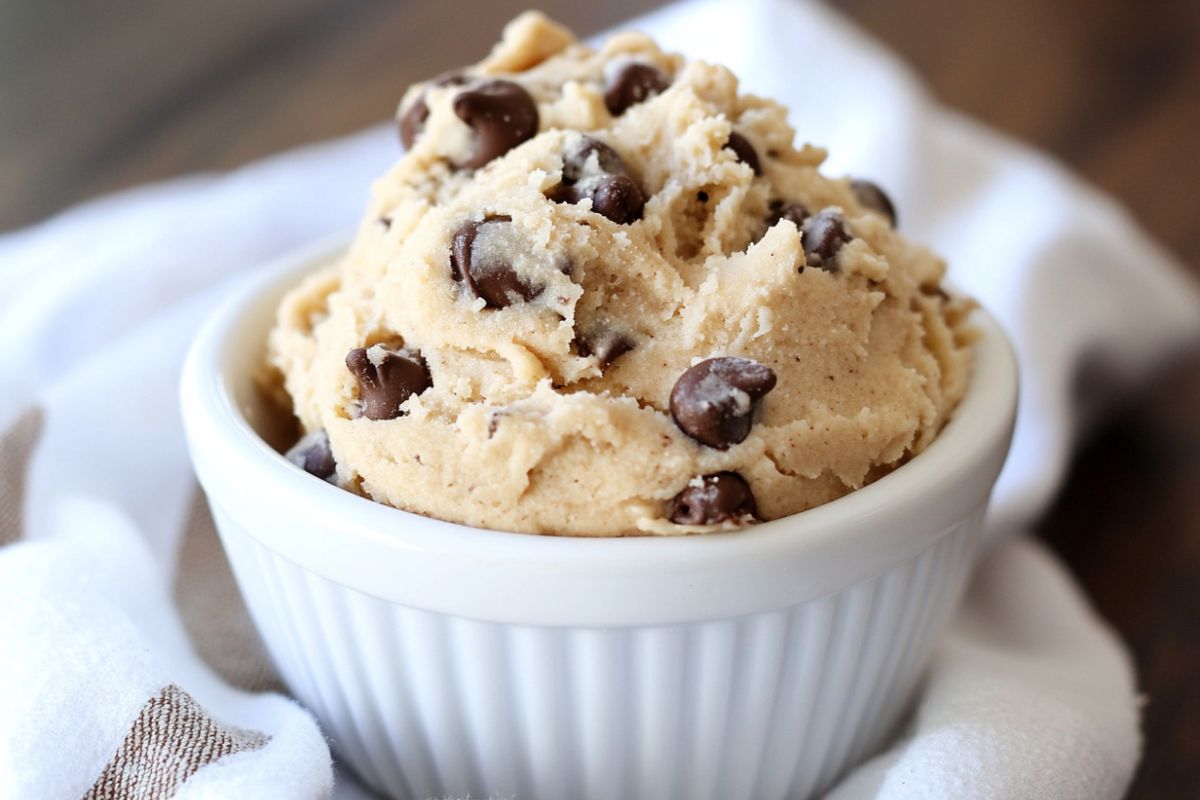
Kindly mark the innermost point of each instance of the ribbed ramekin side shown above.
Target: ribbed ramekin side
(770, 705)
(950, 567)
(913, 603)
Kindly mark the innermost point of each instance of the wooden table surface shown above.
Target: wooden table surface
(99, 96)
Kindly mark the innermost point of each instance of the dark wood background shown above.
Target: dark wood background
(99, 96)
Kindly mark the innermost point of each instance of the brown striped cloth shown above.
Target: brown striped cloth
(100, 695)
(129, 666)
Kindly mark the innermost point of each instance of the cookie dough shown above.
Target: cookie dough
(604, 294)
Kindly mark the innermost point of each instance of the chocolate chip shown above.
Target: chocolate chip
(795, 213)
(576, 164)
(713, 402)
(313, 455)
(563, 193)
(824, 234)
(933, 290)
(745, 151)
(594, 170)
(874, 198)
(502, 115)
(713, 499)
(412, 121)
(485, 274)
(605, 345)
(386, 378)
(634, 83)
(494, 422)
(619, 199)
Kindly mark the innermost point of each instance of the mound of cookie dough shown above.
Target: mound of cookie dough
(604, 294)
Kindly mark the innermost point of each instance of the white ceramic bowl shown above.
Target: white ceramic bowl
(444, 660)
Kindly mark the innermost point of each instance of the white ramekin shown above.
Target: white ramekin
(444, 660)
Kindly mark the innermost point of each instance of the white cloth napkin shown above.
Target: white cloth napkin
(125, 656)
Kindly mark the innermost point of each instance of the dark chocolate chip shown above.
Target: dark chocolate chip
(935, 291)
(824, 234)
(386, 378)
(605, 345)
(575, 160)
(745, 151)
(486, 275)
(502, 115)
(717, 498)
(874, 198)
(563, 193)
(412, 121)
(619, 199)
(634, 83)
(313, 455)
(713, 402)
(494, 422)
(613, 193)
(795, 213)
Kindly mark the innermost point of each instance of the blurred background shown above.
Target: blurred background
(96, 97)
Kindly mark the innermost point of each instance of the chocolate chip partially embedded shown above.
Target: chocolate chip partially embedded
(605, 344)
(412, 121)
(563, 193)
(386, 378)
(795, 213)
(313, 455)
(619, 199)
(494, 422)
(502, 115)
(486, 274)
(873, 197)
(634, 83)
(576, 161)
(824, 234)
(713, 402)
(745, 151)
(594, 170)
(713, 499)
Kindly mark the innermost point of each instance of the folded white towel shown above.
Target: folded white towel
(125, 655)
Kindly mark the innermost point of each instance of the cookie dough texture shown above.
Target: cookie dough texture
(524, 427)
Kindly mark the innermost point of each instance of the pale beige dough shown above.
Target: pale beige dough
(519, 431)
